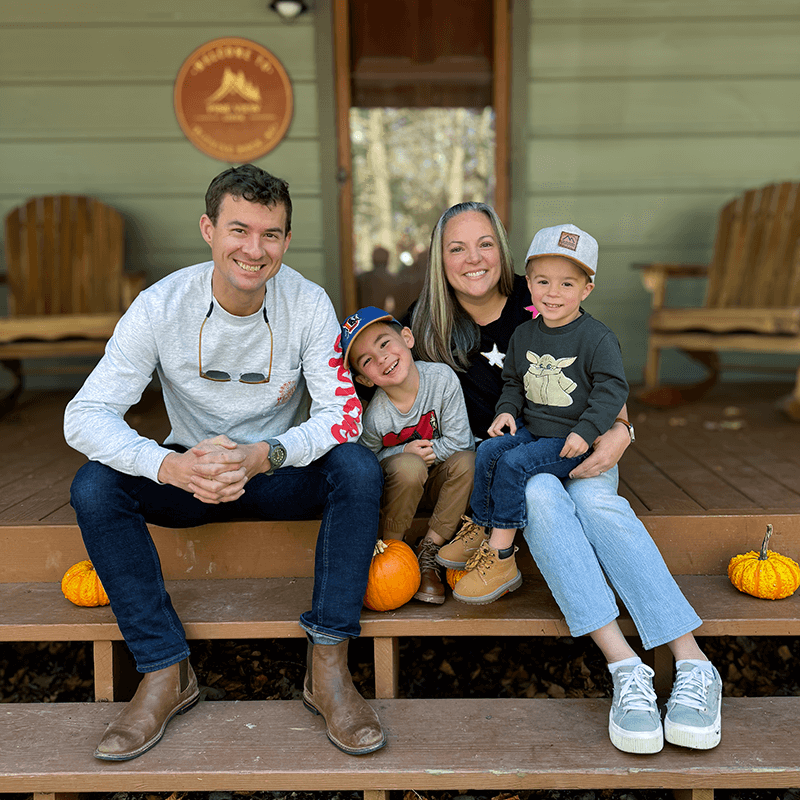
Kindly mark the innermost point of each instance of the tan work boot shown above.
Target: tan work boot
(489, 577)
(465, 544)
(431, 588)
(352, 724)
(160, 696)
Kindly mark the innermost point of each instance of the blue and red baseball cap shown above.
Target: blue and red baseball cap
(356, 323)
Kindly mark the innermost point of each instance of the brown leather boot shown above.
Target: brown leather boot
(431, 588)
(352, 724)
(160, 696)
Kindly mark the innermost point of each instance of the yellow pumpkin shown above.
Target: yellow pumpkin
(767, 574)
(454, 576)
(394, 576)
(82, 586)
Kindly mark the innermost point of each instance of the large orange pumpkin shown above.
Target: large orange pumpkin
(82, 586)
(767, 574)
(393, 576)
(454, 576)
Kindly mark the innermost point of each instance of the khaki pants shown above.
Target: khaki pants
(409, 485)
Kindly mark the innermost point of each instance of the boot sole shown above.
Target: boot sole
(451, 564)
(437, 599)
(181, 709)
(511, 586)
(351, 751)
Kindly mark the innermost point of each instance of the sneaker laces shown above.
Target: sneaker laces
(427, 556)
(636, 690)
(691, 688)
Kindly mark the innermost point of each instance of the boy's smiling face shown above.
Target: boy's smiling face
(558, 287)
(381, 355)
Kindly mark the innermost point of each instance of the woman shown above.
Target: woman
(579, 531)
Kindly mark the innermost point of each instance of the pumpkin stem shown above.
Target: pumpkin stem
(762, 556)
(380, 546)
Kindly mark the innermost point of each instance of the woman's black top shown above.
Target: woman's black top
(482, 383)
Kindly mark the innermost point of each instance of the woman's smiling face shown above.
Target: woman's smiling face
(471, 255)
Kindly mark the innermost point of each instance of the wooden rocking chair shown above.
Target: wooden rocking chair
(753, 294)
(66, 284)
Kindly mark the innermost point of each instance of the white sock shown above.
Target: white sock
(626, 662)
(706, 666)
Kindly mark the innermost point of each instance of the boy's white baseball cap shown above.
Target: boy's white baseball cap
(567, 241)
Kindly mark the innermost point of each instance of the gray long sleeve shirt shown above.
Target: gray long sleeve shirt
(562, 380)
(159, 333)
(438, 414)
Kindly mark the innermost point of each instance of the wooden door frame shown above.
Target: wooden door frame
(501, 93)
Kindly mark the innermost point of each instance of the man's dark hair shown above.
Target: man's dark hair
(252, 184)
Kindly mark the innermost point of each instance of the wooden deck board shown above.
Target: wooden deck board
(270, 608)
(495, 744)
(683, 463)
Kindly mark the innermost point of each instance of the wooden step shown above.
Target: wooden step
(436, 744)
(255, 608)
(691, 544)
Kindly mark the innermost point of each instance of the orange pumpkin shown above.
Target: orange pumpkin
(393, 576)
(454, 576)
(767, 574)
(82, 586)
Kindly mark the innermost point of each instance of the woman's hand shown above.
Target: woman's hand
(608, 449)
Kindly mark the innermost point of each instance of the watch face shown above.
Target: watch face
(277, 455)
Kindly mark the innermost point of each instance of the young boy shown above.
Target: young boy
(564, 380)
(416, 424)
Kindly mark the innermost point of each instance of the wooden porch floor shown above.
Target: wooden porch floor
(731, 456)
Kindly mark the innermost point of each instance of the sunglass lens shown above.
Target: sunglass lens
(217, 375)
(252, 377)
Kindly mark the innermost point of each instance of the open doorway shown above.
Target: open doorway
(408, 165)
(422, 107)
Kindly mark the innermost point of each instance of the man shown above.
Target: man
(239, 344)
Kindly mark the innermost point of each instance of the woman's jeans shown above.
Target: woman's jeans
(583, 536)
(344, 486)
(503, 465)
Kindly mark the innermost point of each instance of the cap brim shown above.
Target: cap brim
(575, 261)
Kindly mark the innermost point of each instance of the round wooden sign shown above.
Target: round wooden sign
(233, 99)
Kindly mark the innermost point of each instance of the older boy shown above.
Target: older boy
(416, 424)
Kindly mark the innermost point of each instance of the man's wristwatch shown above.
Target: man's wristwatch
(277, 455)
(628, 426)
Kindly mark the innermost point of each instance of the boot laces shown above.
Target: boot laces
(481, 559)
(469, 530)
(427, 556)
(636, 690)
(691, 688)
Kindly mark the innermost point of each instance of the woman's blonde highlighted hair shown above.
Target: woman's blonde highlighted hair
(443, 330)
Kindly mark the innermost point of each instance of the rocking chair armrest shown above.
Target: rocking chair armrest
(675, 270)
(654, 277)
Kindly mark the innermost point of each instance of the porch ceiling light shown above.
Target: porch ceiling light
(289, 9)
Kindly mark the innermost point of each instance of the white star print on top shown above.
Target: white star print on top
(495, 357)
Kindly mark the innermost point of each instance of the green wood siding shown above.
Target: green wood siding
(636, 120)
(86, 94)
(642, 120)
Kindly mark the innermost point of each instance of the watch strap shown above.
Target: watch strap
(628, 426)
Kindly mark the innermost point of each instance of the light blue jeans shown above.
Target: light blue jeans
(583, 536)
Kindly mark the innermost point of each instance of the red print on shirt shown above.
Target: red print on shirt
(426, 428)
(348, 427)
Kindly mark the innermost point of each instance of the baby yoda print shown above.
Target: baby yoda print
(545, 383)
